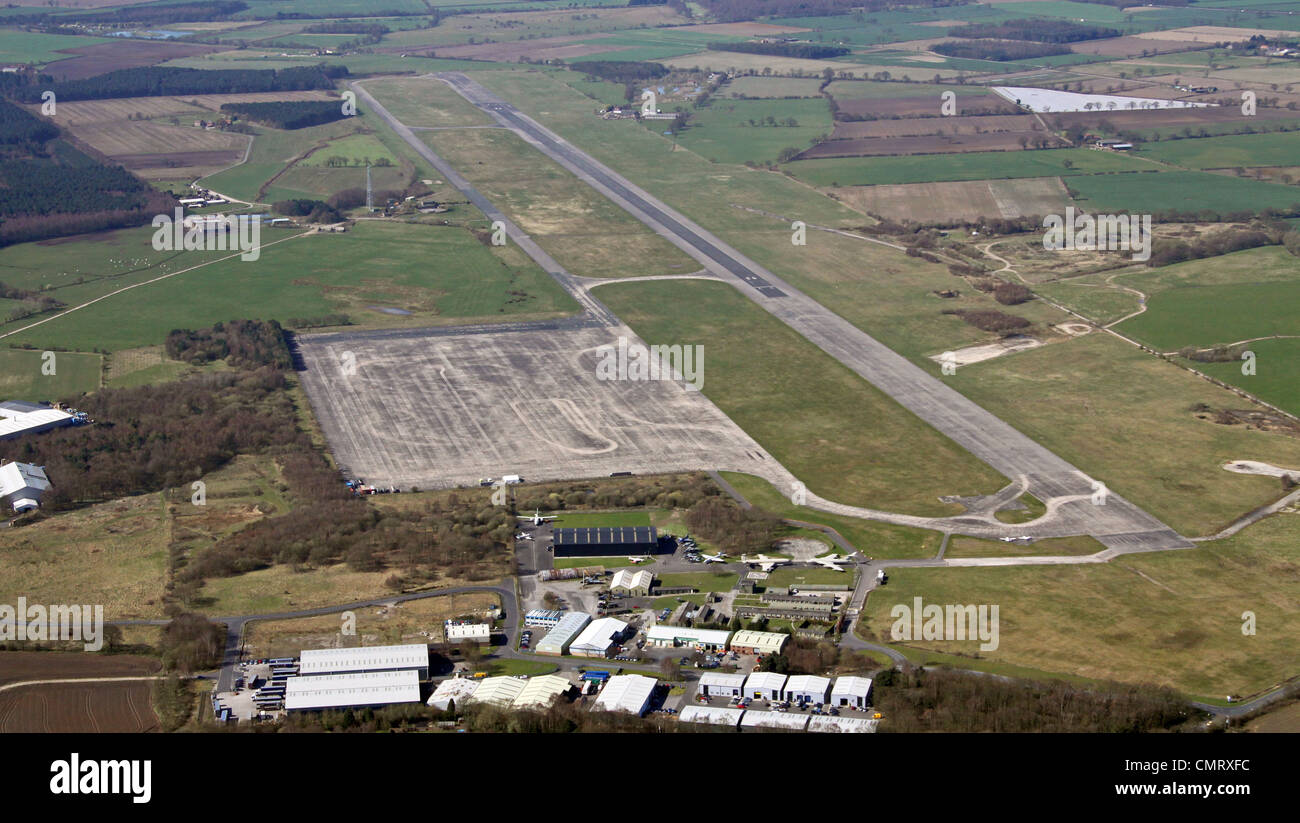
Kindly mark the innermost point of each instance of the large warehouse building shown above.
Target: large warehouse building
(598, 638)
(413, 656)
(558, 639)
(607, 541)
(747, 641)
(807, 687)
(344, 691)
(711, 640)
(626, 693)
(19, 418)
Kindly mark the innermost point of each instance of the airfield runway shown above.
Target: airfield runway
(1117, 523)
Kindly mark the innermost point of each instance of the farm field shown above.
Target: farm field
(124, 707)
(840, 435)
(1276, 149)
(439, 274)
(972, 166)
(771, 87)
(1180, 191)
(1274, 380)
(1171, 618)
(1130, 420)
(17, 666)
(954, 201)
(21, 375)
(730, 131)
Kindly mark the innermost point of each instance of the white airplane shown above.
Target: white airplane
(764, 562)
(638, 559)
(536, 519)
(523, 536)
(720, 557)
(1015, 539)
(834, 561)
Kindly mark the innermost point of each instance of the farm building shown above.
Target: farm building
(808, 687)
(456, 689)
(541, 692)
(854, 692)
(342, 691)
(765, 685)
(498, 691)
(773, 720)
(634, 583)
(719, 684)
(626, 693)
(460, 632)
(703, 639)
(366, 659)
(542, 618)
(22, 484)
(557, 640)
(746, 641)
(712, 715)
(606, 541)
(598, 638)
(18, 418)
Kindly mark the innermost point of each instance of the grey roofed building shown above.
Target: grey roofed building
(22, 484)
(606, 541)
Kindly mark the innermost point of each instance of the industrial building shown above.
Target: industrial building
(22, 484)
(807, 687)
(343, 691)
(817, 603)
(606, 541)
(366, 659)
(498, 691)
(791, 721)
(19, 418)
(842, 725)
(633, 583)
(460, 632)
(542, 618)
(541, 692)
(598, 638)
(457, 689)
(702, 639)
(765, 686)
(854, 692)
(720, 684)
(558, 639)
(712, 715)
(626, 693)
(746, 641)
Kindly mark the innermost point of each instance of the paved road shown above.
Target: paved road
(1117, 524)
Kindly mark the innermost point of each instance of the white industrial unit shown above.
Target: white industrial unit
(808, 687)
(626, 693)
(366, 659)
(341, 691)
(719, 684)
(854, 692)
(765, 686)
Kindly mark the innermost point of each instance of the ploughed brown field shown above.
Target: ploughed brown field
(1128, 46)
(920, 144)
(922, 105)
(1168, 118)
(88, 61)
(930, 125)
(71, 707)
(19, 666)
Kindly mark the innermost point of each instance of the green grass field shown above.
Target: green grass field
(929, 168)
(439, 274)
(1171, 618)
(1219, 300)
(23, 377)
(1274, 380)
(1182, 191)
(707, 581)
(1276, 149)
(722, 132)
(36, 47)
(844, 438)
(1129, 420)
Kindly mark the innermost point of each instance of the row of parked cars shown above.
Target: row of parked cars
(526, 639)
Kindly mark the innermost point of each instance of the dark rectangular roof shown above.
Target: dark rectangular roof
(606, 536)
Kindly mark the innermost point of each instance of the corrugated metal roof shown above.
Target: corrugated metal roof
(355, 689)
(853, 725)
(811, 683)
(541, 691)
(713, 715)
(327, 661)
(713, 637)
(568, 628)
(723, 679)
(774, 720)
(498, 691)
(767, 681)
(457, 688)
(598, 635)
(626, 693)
(850, 686)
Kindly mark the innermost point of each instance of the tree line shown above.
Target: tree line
(999, 50)
(807, 51)
(241, 343)
(288, 114)
(1042, 30)
(156, 81)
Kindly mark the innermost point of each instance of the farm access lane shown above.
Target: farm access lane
(1066, 490)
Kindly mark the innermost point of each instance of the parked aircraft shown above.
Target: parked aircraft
(834, 561)
(536, 519)
(764, 562)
